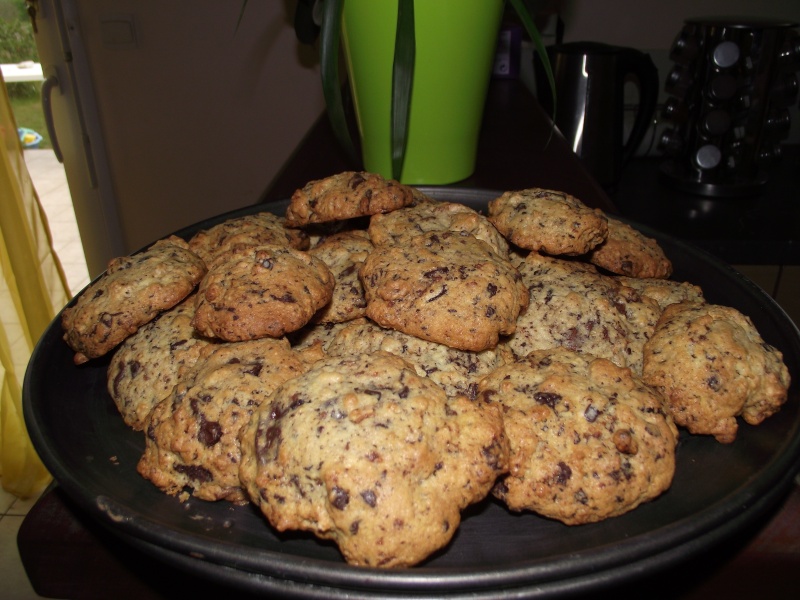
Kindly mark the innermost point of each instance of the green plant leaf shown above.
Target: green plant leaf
(329, 68)
(402, 82)
(541, 51)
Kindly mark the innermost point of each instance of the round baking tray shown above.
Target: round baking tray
(718, 490)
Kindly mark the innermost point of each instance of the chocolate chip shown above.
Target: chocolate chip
(436, 273)
(287, 298)
(564, 473)
(195, 472)
(369, 497)
(548, 398)
(439, 295)
(175, 345)
(356, 180)
(254, 370)
(210, 433)
(339, 498)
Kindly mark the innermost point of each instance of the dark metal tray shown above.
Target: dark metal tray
(718, 489)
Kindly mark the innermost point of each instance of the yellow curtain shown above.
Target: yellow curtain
(32, 290)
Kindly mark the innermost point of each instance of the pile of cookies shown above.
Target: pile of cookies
(372, 362)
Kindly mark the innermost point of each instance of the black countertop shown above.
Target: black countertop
(762, 229)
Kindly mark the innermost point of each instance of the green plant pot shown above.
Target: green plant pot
(455, 46)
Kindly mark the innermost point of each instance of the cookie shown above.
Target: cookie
(253, 230)
(345, 196)
(588, 441)
(398, 226)
(363, 451)
(574, 306)
(455, 371)
(145, 367)
(252, 292)
(629, 252)
(548, 221)
(664, 291)
(132, 291)
(712, 366)
(444, 287)
(343, 253)
(191, 442)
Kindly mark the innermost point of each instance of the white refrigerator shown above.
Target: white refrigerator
(168, 113)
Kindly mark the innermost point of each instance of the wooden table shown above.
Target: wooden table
(69, 555)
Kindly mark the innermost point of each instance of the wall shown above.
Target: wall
(199, 110)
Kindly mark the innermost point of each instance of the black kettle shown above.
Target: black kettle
(590, 80)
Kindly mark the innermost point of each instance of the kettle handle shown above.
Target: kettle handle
(640, 65)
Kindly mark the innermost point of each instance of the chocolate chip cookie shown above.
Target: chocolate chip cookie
(252, 292)
(345, 196)
(445, 287)
(664, 291)
(398, 226)
(574, 306)
(456, 371)
(588, 441)
(253, 230)
(712, 366)
(363, 451)
(132, 291)
(343, 253)
(191, 442)
(548, 221)
(146, 366)
(627, 251)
